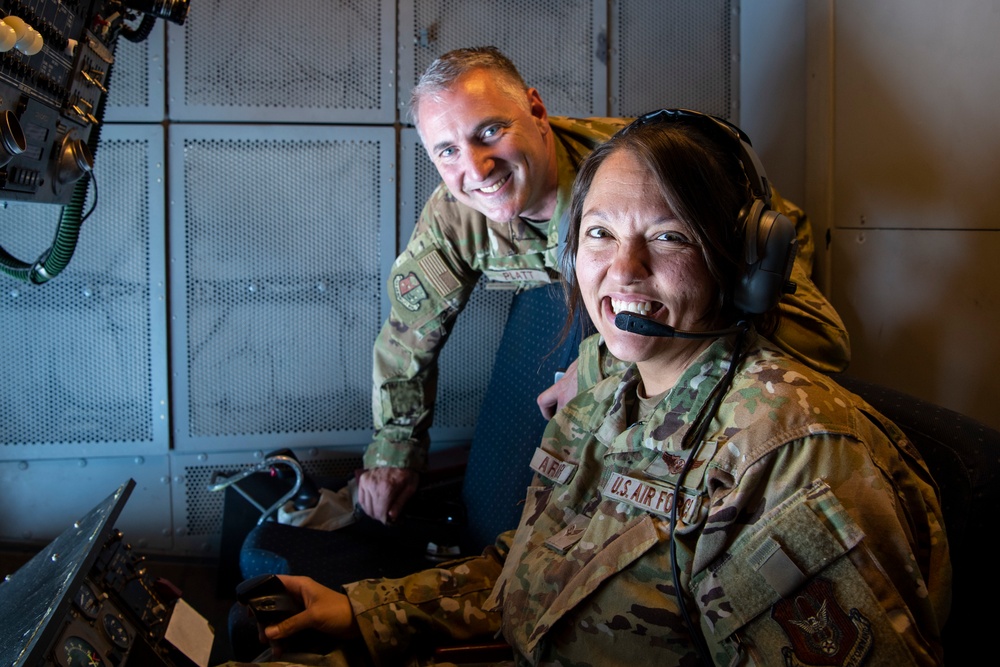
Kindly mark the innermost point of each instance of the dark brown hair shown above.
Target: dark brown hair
(700, 178)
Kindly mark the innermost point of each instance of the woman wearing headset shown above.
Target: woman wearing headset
(716, 502)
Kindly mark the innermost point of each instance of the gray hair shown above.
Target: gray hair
(445, 70)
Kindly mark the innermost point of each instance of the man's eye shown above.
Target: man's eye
(446, 153)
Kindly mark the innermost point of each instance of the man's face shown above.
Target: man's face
(493, 150)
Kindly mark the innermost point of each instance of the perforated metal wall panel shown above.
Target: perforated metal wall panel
(675, 53)
(552, 42)
(85, 354)
(137, 88)
(310, 61)
(278, 236)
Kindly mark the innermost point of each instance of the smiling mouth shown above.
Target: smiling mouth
(643, 308)
(496, 186)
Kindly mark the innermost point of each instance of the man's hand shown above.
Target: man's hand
(327, 611)
(383, 492)
(555, 397)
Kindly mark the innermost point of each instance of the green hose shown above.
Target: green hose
(51, 262)
(54, 260)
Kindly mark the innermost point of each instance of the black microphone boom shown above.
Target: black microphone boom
(645, 327)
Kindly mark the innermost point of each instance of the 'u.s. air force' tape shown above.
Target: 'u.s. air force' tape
(552, 467)
(652, 497)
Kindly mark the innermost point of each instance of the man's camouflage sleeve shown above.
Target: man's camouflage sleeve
(809, 328)
(429, 284)
(400, 618)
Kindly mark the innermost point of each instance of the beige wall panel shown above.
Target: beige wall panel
(923, 309)
(916, 142)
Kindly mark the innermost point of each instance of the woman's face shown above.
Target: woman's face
(635, 255)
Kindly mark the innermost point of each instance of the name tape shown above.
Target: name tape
(652, 497)
(552, 467)
(518, 276)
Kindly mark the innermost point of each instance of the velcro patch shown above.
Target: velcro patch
(652, 497)
(552, 467)
(410, 292)
(820, 631)
(518, 276)
(564, 540)
(438, 274)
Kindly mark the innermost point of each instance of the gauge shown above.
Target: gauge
(87, 601)
(79, 653)
(116, 630)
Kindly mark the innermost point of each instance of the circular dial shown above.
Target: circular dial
(116, 630)
(79, 653)
(87, 601)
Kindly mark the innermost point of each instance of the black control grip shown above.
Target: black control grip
(267, 599)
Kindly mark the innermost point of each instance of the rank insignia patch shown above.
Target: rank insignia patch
(410, 292)
(821, 632)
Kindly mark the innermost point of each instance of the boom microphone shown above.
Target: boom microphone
(632, 323)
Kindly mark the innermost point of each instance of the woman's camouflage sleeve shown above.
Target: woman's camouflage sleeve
(401, 617)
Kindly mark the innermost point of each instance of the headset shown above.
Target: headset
(769, 240)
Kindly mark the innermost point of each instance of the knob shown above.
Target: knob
(8, 37)
(12, 141)
(75, 160)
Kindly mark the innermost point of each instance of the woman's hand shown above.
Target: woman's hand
(325, 610)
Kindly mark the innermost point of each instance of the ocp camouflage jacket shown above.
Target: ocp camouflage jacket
(809, 532)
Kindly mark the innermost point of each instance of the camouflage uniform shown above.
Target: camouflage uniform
(453, 245)
(809, 532)
(798, 486)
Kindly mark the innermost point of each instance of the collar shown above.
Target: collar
(672, 418)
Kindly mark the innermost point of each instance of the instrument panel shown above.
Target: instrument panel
(98, 633)
(56, 58)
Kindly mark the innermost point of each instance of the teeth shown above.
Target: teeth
(496, 186)
(638, 307)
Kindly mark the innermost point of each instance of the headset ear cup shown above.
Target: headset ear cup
(765, 280)
(749, 227)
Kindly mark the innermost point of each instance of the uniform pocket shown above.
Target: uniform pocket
(801, 588)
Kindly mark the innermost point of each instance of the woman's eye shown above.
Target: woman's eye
(673, 237)
(491, 131)
(597, 232)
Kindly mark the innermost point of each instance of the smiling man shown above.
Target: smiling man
(507, 169)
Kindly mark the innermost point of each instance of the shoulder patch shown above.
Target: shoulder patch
(409, 291)
(438, 274)
(820, 631)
